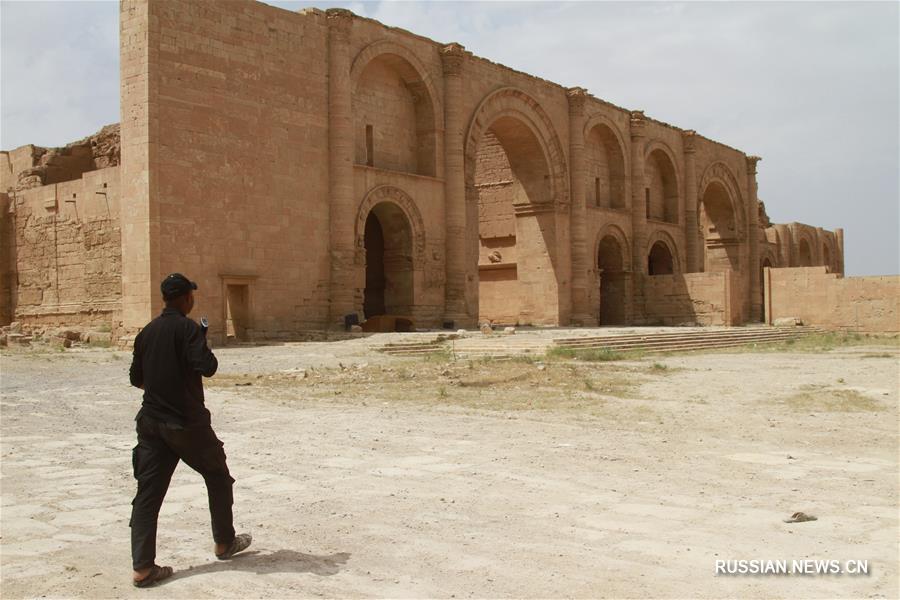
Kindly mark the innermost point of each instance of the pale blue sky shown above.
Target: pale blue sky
(813, 88)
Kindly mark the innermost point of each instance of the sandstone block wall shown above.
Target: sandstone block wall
(692, 298)
(824, 299)
(64, 253)
(225, 118)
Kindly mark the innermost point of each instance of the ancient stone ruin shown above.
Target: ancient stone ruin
(303, 167)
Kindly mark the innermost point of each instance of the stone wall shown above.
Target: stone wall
(824, 299)
(225, 122)
(64, 251)
(692, 298)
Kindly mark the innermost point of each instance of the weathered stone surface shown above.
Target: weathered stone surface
(376, 172)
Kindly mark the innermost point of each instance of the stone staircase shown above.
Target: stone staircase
(693, 339)
(500, 345)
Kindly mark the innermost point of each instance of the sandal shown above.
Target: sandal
(800, 517)
(156, 575)
(239, 543)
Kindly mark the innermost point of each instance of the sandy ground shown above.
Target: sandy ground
(434, 478)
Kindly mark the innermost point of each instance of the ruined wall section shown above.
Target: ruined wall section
(824, 299)
(236, 149)
(65, 253)
(691, 299)
(33, 166)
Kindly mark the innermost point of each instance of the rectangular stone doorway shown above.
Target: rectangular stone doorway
(237, 312)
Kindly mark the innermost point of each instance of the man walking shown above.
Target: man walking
(170, 356)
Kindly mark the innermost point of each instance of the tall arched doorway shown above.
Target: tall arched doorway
(720, 231)
(805, 258)
(660, 260)
(388, 243)
(515, 226)
(611, 269)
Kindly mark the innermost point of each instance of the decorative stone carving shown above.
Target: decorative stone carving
(452, 58)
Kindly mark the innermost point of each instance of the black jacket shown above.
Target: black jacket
(170, 355)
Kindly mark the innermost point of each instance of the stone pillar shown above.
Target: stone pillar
(638, 201)
(638, 217)
(453, 58)
(691, 203)
(139, 34)
(581, 263)
(344, 286)
(756, 300)
(839, 259)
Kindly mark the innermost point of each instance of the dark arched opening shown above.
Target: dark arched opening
(805, 254)
(389, 262)
(610, 267)
(605, 169)
(661, 188)
(660, 261)
(722, 248)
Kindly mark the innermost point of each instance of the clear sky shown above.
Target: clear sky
(812, 87)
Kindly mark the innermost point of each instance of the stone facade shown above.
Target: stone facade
(306, 166)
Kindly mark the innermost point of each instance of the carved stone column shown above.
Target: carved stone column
(453, 58)
(638, 200)
(342, 218)
(581, 263)
(691, 227)
(756, 300)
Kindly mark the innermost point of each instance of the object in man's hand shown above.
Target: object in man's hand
(204, 324)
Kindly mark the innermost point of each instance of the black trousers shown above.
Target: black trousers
(160, 446)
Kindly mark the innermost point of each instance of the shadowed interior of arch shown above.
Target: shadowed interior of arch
(389, 262)
(400, 139)
(661, 188)
(805, 256)
(611, 266)
(660, 261)
(605, 169)
(717, 222)
(516, 272)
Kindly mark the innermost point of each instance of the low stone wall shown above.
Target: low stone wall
(691, 298)
(823, 299)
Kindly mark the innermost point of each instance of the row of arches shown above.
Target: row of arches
(517, 191)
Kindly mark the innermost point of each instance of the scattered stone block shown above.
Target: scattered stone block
(509, 330)
(788, 322)
(486, 328)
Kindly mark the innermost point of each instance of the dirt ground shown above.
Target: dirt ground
(362, 475)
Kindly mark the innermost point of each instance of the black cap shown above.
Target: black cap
(176, 285)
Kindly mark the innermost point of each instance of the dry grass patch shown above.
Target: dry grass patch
(819, 399)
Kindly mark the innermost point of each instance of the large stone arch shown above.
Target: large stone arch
(617, 140)
(658, 155)
(390, 254)
(807, 259)
(417, 73)
(517, 201)
(424, 97)
(720, 218)
(719, 172)
(611, 290)
(614, 231)
(389, 193)
(513, 102)
(664, 237)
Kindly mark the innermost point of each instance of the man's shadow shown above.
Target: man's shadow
(263, 562)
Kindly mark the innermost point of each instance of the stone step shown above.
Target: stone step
(680, 334)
